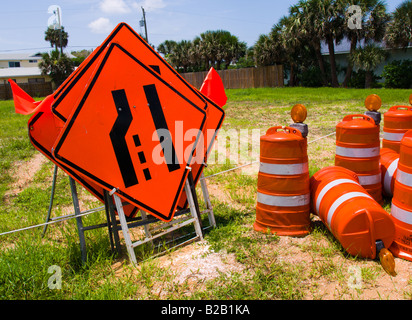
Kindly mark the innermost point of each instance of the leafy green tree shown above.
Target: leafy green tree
(398, 74)
(57, 66)
(80, 56)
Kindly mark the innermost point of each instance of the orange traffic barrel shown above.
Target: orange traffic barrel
(389, 166)
(357, 149)
(401, 209)
(396, 121)
(283, 198)
(355, 219)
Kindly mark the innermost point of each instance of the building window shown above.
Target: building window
(14, 64)
(37, 80)
(32, 61)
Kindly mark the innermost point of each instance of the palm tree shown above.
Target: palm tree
(179, 56)
(57, 66)
(373, 22)
(291, 43)
(399, 30)
(331, 28)
(57, 38)
(166, 47)
(268, 50)
(219, 47)
(233, 50)
(307, 20)
(367, 59)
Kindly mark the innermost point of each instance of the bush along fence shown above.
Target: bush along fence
(33, 89)
(271, 76)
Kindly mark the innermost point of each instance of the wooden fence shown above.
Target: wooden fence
(33, 89)
(271, 76)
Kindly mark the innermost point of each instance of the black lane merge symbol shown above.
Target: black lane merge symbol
(160, 123)
(117, 136)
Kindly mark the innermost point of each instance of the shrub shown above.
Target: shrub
(357, 80)
(398, 74)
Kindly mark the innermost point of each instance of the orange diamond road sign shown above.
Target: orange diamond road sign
(74, 87)
(122, 134)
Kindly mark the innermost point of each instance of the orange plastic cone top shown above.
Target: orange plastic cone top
(401, 209)
(389, 166)
(358, 148)
(396, 121)
(23, 103)
(213, 88)
(283, 183)
(355, 219)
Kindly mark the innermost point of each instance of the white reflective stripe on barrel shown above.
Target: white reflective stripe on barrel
(284, 169)
(401, 214)
(357, 152)
(404, 178)
(342, 199)
(283, 201)
(387, 180)
(369, 179)
(393, 136)
(329, 186)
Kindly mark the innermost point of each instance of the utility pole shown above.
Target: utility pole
(145, 25)
(60, 30)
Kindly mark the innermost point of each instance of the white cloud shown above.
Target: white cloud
(101, 25)
(149, 5)
(114, 6)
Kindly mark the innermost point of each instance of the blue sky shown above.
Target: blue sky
(88, 22)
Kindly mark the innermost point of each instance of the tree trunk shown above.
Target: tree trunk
(319, 57)
(332, 60)
(292, 75)
(353, 42)
(368, 79)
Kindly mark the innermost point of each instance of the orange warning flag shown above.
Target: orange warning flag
(213, 88)
(23, 103)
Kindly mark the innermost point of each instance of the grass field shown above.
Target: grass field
(250, 265)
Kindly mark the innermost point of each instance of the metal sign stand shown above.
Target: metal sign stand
(176, 223)
(181, 218)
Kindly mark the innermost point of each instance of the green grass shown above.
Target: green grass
(25, 256)
(317, 96)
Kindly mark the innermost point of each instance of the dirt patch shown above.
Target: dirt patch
(198, 262)
(24, 172)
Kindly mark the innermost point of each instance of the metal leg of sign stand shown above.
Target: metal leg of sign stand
(208, 203)
(79, 221)
(51, 199)
(112, 223)
(145, 220)
(171, 226)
